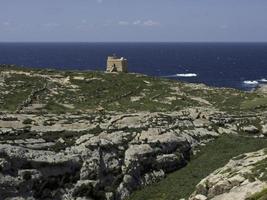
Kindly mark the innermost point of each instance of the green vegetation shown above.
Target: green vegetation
(28, 121)
(260, 170)
(81, 92)
(56, 107)
(17, 89)
(259, 196)
(229, 100)
(24, 133)
(181, 183)
(256, 103)
(85, 91)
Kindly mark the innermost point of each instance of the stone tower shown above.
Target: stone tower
(115, 64)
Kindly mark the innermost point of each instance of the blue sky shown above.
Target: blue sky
(133, 20)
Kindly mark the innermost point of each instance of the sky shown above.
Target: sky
(133, 20)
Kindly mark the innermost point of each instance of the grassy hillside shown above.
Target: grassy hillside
(75, 91)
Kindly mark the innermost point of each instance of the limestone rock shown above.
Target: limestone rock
(153, 177)
(138, 153)
(4, 165)
(169, 162)
(200, 197)
(250, 129)
(104, 156)
(264, 129)
(84, 188)
(90, 168)
(231, 181)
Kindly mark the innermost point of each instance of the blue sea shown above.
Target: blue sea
(236, 65)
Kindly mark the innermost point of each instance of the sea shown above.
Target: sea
(236, 65)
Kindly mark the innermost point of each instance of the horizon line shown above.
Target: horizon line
(133, 41)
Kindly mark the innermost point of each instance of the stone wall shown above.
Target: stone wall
(115, 64)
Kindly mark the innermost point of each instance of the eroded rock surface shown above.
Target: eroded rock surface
(239, 179)
(115, 134)
(100, 156)
(97, 157)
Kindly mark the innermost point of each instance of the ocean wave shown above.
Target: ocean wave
(263, 80)
(187, 75)
(252, 83)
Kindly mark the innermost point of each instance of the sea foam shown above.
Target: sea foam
(251, 82)
(187, 75)
(264, 80)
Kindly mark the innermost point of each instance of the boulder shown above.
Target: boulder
(250, 129)
(168, 142)
(138, 153)
(200, 197)
(169, 162)
(264, 129)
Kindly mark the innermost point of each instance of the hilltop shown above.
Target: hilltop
(50, 91)
(95, 135)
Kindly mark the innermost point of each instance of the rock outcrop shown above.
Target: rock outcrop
(239, 179)
(101, 156)
(81, 135)
(105, 157)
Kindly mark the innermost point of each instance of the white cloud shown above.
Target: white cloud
(137, 22)
(123, 23)
(150, 23)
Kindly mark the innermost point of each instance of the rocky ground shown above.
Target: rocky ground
(103, 157)
(240, 179)
(90, 135)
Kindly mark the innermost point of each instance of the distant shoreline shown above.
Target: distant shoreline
(229, 64)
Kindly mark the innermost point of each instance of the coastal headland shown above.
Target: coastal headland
(95, 135)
